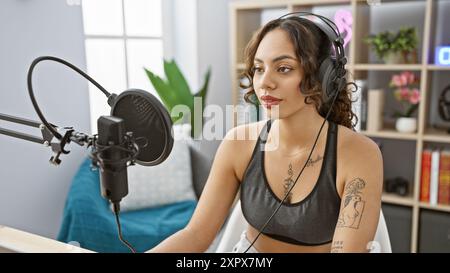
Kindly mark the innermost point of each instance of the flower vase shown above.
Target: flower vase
(406, 124)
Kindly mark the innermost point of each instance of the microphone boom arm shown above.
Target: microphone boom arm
(47, 136)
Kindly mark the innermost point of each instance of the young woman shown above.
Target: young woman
(335, 204)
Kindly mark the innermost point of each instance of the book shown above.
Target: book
(364, 109)
(444, 178)
(375, 109)
(425, 176)
(434, 177)
(357, 104)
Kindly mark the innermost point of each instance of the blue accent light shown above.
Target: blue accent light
(442, 55)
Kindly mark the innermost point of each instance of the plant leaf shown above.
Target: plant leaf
(163, 89)
(411, 109)
(203, 91)
(397, 114)
(178, 84)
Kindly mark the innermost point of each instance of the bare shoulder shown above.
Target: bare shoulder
(357, 155)
(240, 142)
(354, 144)
(245, 132)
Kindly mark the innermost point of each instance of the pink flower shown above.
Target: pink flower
(404, 94)
(415, 96)
(396, 81)
(404, 77)
(408, 77)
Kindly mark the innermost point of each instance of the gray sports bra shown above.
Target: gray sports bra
(310, 221)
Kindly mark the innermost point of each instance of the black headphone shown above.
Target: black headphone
(331, 75)
(444, 104)
(332, 68)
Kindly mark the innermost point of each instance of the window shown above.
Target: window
(122, 37)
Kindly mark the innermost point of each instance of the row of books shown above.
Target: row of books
(435, 178)
(369, 106)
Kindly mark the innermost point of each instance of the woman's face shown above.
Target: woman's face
(277, 75)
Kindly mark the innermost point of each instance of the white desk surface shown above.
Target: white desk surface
(13, 241)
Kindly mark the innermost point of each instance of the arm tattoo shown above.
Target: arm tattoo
(337, 247)
(351, 214)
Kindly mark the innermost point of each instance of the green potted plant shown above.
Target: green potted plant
(175, 91)
(407, 93)
(400, 47)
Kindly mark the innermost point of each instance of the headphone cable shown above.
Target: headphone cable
(289, 191)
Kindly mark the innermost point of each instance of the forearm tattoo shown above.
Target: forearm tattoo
(337, 247)
(352, 212)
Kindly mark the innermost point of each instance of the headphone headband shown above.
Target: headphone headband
(332, 70)
(328, 27)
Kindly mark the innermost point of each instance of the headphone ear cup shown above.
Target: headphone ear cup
(327, 77)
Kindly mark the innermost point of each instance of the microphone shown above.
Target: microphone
(138, 130)
(113, 158)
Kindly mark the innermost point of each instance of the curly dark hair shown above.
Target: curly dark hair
(312, 47)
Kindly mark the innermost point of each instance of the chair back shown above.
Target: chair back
(236, 224)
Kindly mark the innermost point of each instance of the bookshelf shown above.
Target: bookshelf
(247, 16)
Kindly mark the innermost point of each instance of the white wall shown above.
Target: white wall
(184, 43)
(213, 48)
(32, 191)
(201, 39)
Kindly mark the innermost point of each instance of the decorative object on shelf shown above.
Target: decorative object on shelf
(406, 124)
(444, 105)
(397, 185)
(344, 20)
(407, 93)
(375, 99)
(395, 48)
(175, 92)
(442, 55)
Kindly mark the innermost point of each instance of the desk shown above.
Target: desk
(17, 241)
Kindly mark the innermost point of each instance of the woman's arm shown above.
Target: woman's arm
(214, 204)
(361, 198)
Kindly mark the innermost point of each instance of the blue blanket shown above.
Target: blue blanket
(88, 219)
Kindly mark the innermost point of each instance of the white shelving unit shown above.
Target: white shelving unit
(245, 19)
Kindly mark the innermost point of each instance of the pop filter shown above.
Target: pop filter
(136, 116)
(147, 119)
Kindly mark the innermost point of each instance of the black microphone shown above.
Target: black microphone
(112, 156)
